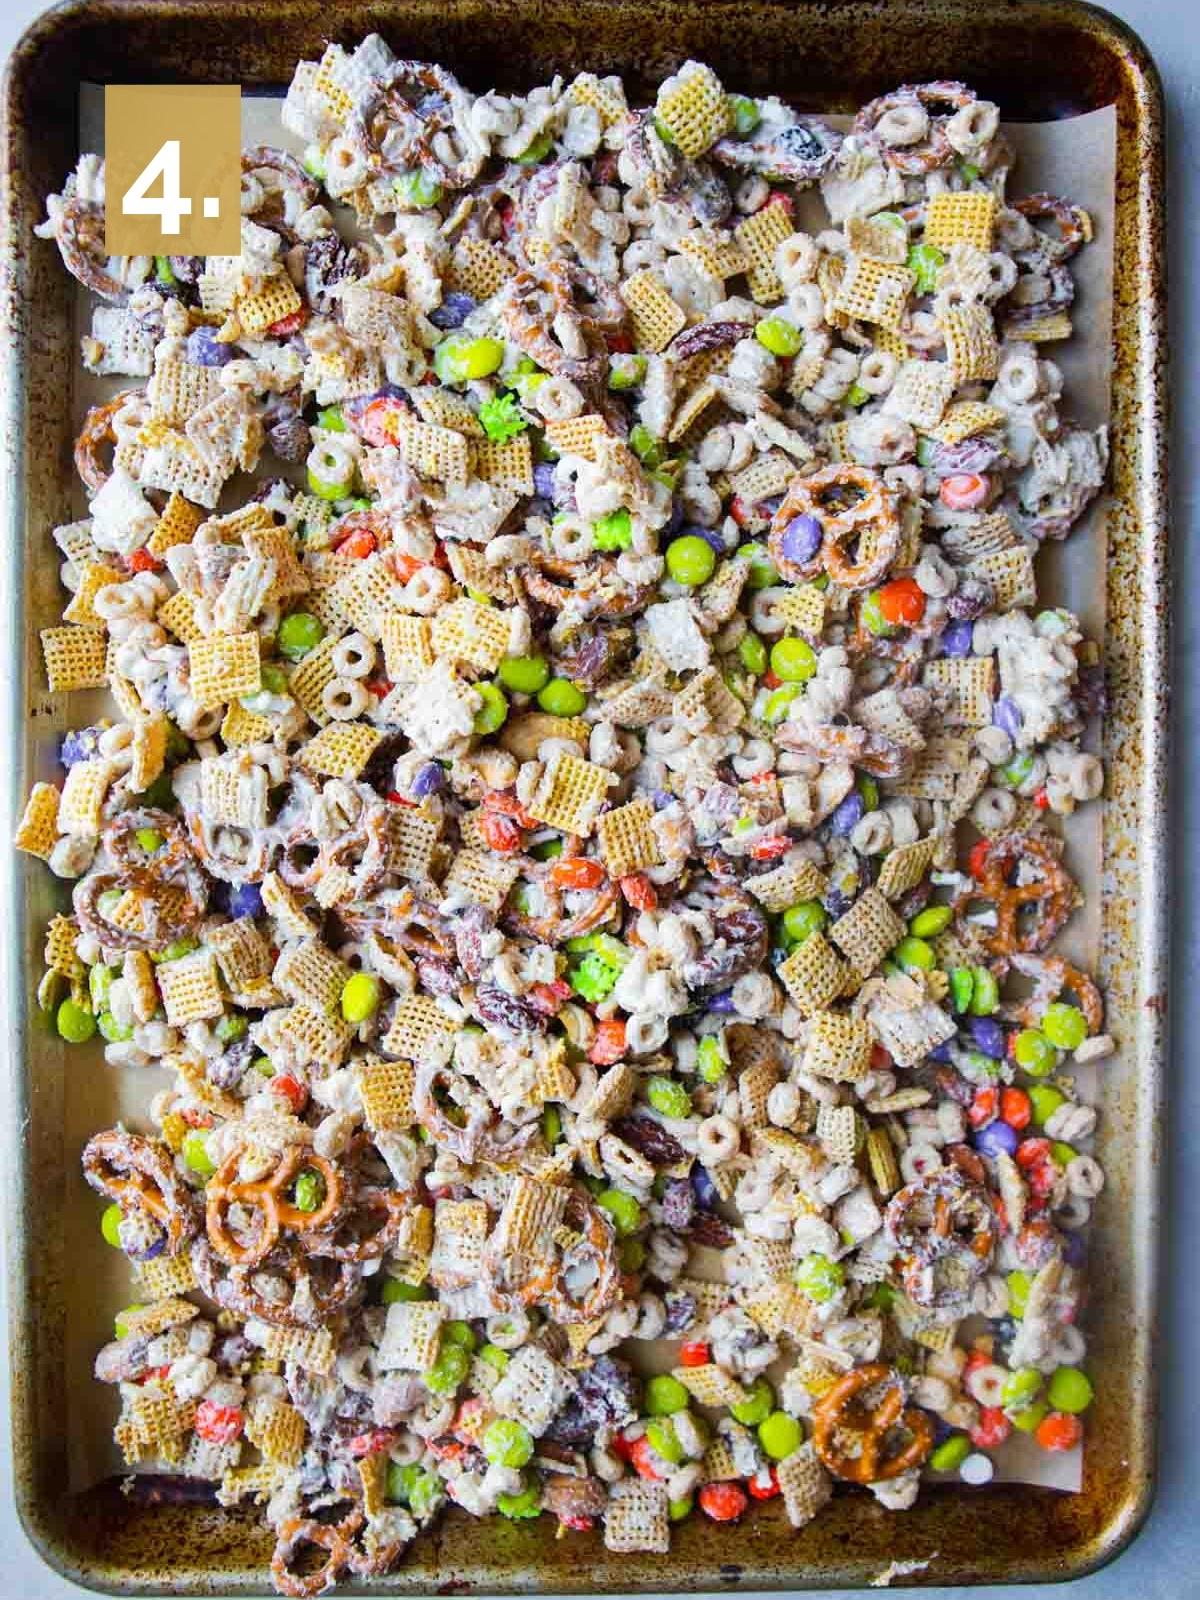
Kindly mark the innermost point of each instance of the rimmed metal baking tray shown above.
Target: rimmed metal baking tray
(1040, 59)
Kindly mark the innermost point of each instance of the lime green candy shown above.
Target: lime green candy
(506, 1443)
(495, 1357)
(149, 840)
(313, 162)
(793, 660)
(75, 1023)
(1020, 1388)
(1070, 1390)
(625, 371)
(361, 994)
(624, 1210)
(632, 1255)
(1031, 1418)
(1064, 1154)
(448, 1371)
(552, 1126)
(668, 1097)
(415, 1487)
(778, 703)
(231, 1027)
(745, 113)
(501, 419)
(691, 560)
(561, 698)
(112, 1031)
(1034, 1053)
(1045, 1102)
(1014, 774)
(818, 1277)
(537, 151)
(330, 418)
(914, 955)
(100, 983)
(664, 1395)
(330, 488)
(526, 1504)
(417, 190)
(594, 978)
(397, 1292)
(1019, 1284)
(712, 1058)
(985, 992)
(646, 446)
(493, 713)
(524, 674)
(458, 1332)
(195, 1154)
(924, 262)
(758, 1405)
(752, 653)
(110, 1223)
(1064, 1026)
(869, 789)
(613, 531)
(929, 923)
(779, 1435)
(310, 1190)
(678, 1510)
(873, 619)
(298, 634)
(856, 395)
(778, 336)
(951, 1453)
(663, 1441)
(804, 918)
(459, 359)
(763, 571)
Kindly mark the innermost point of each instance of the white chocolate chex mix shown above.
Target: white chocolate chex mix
(583, 757)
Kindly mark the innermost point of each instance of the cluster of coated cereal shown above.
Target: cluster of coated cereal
(578, 843)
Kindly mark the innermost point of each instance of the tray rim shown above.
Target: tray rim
(1148, 495)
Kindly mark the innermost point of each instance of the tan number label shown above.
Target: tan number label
(172, 169)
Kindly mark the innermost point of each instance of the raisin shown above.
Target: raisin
(681, 1312)
(504, 1010)
(574, 1497)
(709, 1229)
(649, 1139)
(707, 336)
(678, 1204)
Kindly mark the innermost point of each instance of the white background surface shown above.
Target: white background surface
(1164, 1562)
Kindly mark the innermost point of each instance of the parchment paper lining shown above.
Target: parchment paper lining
(1076, 158)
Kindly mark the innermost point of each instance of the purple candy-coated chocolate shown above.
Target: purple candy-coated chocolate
(1074, 1249)
(849, 814)
(662, 799)
(1006, 715)
(722, 1002)
(81, 744)
(801, 538)
(674, 521)
(958, 639)
(704, 1188)
(988, 1035)
(428, 780)
(997, 1139)
(770, 505)
(204, 350)
(711, 536)
(941, 1428)
(543, 480)
(941, 1052)
(453, 311)
(245, 900)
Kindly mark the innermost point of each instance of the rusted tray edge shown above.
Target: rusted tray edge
(1137, 643)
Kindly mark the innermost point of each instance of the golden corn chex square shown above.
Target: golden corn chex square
(968, 217)
(74, 657)
(189, 988)
(1011, 575)
(804, 1484)
(695, 111)
(59, 953)
(276, 298)
(508, 465)
(241, 727)
(802, 609)
(480, 268)
(412, 839)
(921, 393)
(718, 254)
(570, 794)
(433, 452)
(935, 769)
(1041, 331)
(407, 645)
(386, 1091)
(482, 878)
(38, 827)
(769, 474)
(315, 1351)
(968, 684)
(971, 349)
(312, 677)
(759, 236)
(310, 971)
(965, 418)
(627, 839)
(838, 1048)
(411, 1336)
(418, 1026)
(277, 1430)
(224, 667)
(93, 576)
(577, 436)
(604, 95)
(874, 291)
(711, 1385)
(341, 750)
(655, 317)
(867, 932)
(467, 631)
(83, 792)
(813, 975)
(787, 885)
(905, 867)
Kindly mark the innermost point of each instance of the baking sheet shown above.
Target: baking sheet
(1074, 157)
